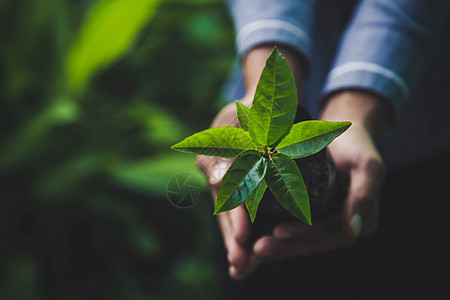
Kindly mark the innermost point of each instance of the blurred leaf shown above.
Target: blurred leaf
(146, 242)
(193, 271)
(25, 142)
(203, 29)
(152, 176)
(22, 279)
(161, 127)
(93, 235)
(108, 32)
(63, 110)
(67, 177)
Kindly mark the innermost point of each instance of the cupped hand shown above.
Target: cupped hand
(235, 224)
(357, 160)
(360, 165)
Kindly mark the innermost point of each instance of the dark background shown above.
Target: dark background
(92, 95)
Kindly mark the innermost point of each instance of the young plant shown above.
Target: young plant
(265, 144)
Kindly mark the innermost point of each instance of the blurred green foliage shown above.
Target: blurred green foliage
(92, 95)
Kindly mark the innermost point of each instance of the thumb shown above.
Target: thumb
(361, 208)
(235, 227)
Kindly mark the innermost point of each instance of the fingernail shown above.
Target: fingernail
(235, 273)
(357, 224)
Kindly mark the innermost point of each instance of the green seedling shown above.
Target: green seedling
(265, 145)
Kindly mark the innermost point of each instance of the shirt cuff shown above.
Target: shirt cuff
(274, 31)
(370, 77)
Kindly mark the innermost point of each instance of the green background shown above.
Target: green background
(92, 96)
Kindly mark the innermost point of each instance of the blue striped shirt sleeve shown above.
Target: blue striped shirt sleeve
(285, 22)
(386, 48)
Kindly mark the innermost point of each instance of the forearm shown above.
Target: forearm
(359, 107)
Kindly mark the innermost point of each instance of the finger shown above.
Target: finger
(322, 228)
(241, 224)
(235, 227)
(234, 224)
(237, 254)
(270, 248)
(240, 273)
(326, 233)
(362, 203)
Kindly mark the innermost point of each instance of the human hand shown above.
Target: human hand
(360, 165)
(235, 224)
(357, 158)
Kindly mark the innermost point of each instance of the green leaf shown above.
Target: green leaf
(241, 180)
(275, 103)
(243, 114)
(224, 141)
(110, 29)
(286, 183)
(309, 137)
(254, 199)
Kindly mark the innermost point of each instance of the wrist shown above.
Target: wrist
(255, 60)
(359, 107)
